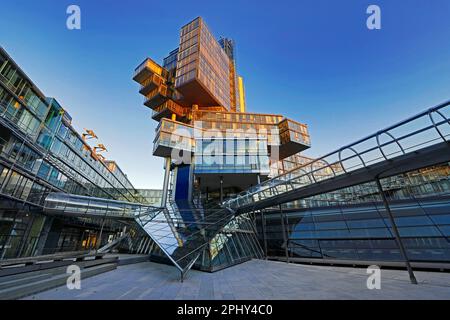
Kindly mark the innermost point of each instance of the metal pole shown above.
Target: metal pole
(283, 227)
(263, 226)
(99, 240)
(221, 189)
(412, 278)
(166, 182)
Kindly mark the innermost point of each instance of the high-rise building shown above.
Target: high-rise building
(213, 149)
(194, 99)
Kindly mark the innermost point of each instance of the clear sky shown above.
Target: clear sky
(313, 61)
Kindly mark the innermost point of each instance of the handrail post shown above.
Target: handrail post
(412, 278)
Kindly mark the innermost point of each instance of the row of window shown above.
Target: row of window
(29, 123)
(11, 77)
(253, 118)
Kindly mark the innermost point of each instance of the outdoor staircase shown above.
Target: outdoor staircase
(180, 235)
(180, 239)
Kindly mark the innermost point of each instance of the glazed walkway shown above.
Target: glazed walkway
(256, 279)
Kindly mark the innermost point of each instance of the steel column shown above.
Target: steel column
(263, 226)
(412, 278)
(221, 189)
(166, 182)
(284, 231)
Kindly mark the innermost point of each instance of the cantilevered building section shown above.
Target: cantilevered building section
(198, 93)
(202, 74)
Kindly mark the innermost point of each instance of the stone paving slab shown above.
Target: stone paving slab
(255, 279)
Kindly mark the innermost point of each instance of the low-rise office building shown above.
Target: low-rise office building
(42, 153)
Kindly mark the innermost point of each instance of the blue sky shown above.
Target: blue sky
(313, 61)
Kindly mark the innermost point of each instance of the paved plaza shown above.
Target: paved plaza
(255, 279)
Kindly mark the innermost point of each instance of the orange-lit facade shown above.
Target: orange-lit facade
(198, 99)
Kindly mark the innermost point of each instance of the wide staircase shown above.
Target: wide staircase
(26, 276)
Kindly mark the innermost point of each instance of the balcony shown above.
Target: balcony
(173, 136)
(147, 69)
(157, 96)
(294, 138)
(167, 109)
(151, 83)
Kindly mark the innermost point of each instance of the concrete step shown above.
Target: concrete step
(132, 260)
(48, 272)
(23, 280)
(51, 267)
(20, 270)
(28, 289)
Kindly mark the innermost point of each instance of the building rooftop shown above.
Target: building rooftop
(255, 279)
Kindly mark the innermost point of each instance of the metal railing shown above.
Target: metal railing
(89, 206)
(422, 130)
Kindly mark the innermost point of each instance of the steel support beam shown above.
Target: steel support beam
(263, 228)
(412, 278)
(221, 189)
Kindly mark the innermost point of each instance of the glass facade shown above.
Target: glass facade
(188, 53)
(352, 223)
(41, 153)
(234, 243)
(221, 156)
(213, 69)
(201, 58)
(170, 62)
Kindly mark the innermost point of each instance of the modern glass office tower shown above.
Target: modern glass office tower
(212, 148)
(41, 153)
